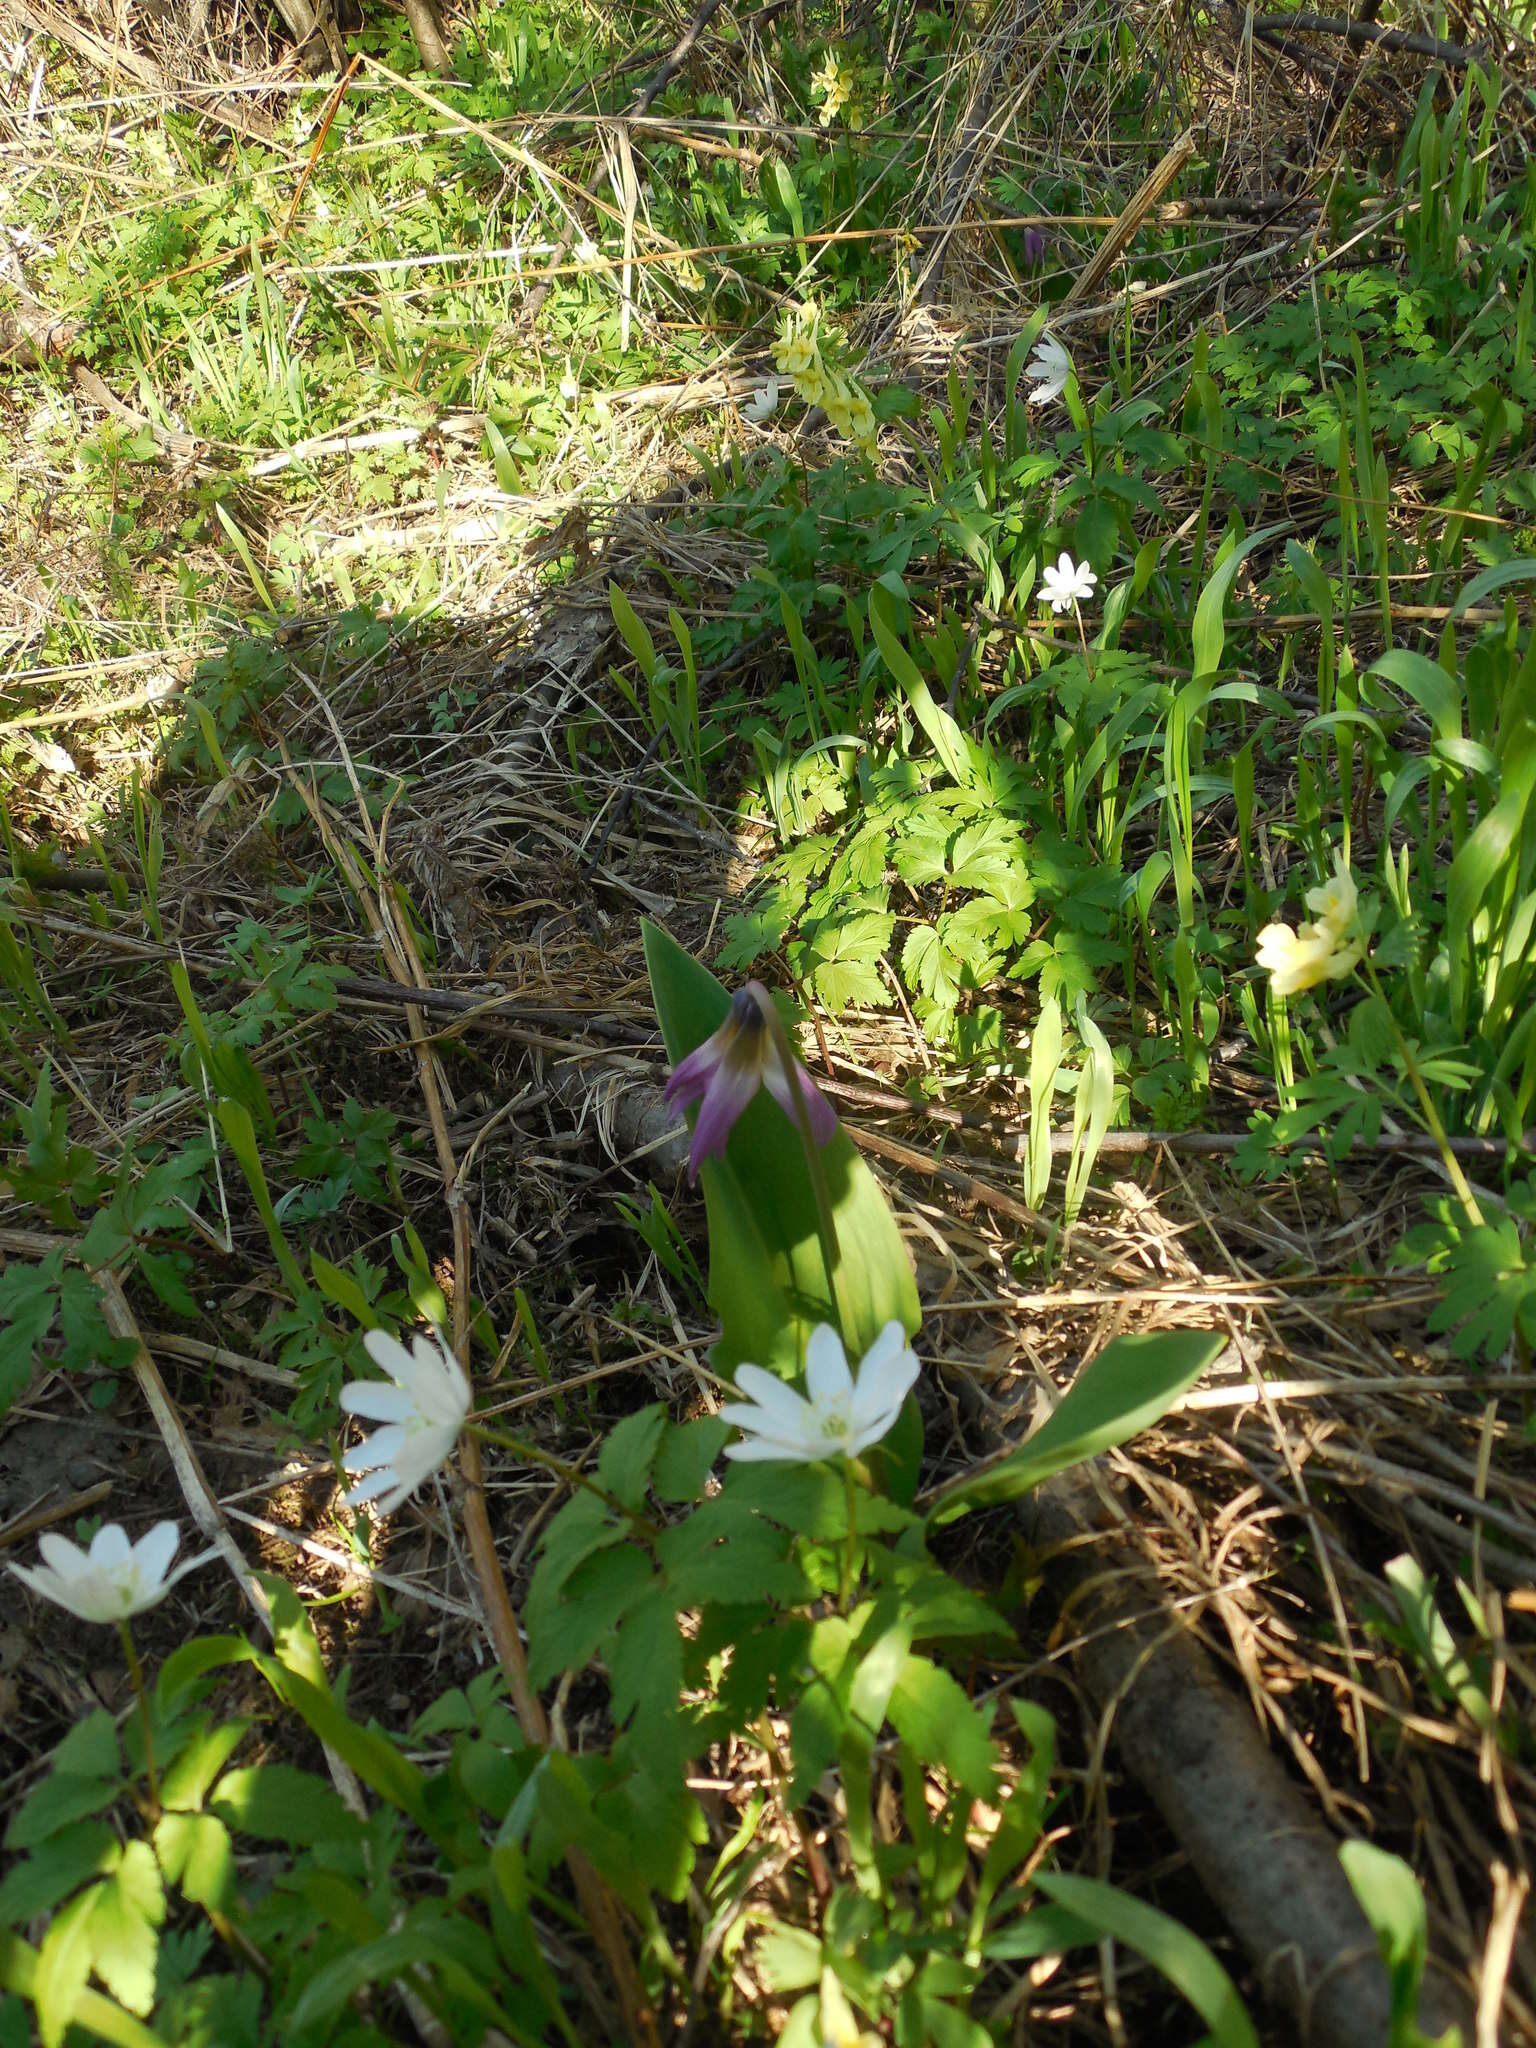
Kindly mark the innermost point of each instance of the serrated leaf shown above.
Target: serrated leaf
(930, 1712)
(63, 1966)
(279, 1803)
(564, 1634)
(624, 1463)
(125, 1923)
(86, 1848)
(686, 1459)
(197, 1856)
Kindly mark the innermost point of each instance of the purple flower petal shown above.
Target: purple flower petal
(823, 1117)
(693, 1074)
(728, 1094)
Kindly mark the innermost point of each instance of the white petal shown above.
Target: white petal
(377, 1402)
(755, 1451)
(827, 1377)
(153, 1552)
(110, 1547)
(379, 1449)
(782, 1408)
(63, 1559)
(370, 1489)
(387, 1353)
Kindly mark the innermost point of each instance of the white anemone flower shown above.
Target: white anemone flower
(423, 1411)
(1066, 583)
(837, 1412)
(1050, 366)
(763, 403)
(114, 1578)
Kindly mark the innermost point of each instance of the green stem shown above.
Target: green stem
(571, 1474)
(1431, 1115)
(141, 1691)
(851, 1545)
(826, 1227)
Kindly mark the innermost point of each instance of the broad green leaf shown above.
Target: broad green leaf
(1434, 1642)
(1132, 1382)
(1522, 570)
(196, 1856)
(768, 1281)
(1181, 1956)
(1391, 1900)
(566, 1629)
(87, 1848)
(931, 1713)
(125, 1923)
(633, 630)
(20, 1967)
(278, 1803)
(624, 1463)
(63, 1966)
(943, 734)
(1427, 683)
(1210, 631)
(686, 1458)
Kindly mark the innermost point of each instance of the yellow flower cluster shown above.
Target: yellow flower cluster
(1320, 951)
(798, 355)
(835, 85)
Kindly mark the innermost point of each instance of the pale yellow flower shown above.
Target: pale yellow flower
(1335, 902)
(1319, 951)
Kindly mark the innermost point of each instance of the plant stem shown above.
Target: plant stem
(571, 1474)
(850, 1546)
(826, 1227)
(1431, 1115)
(141, 1691)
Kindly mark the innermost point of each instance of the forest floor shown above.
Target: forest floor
(333, 414)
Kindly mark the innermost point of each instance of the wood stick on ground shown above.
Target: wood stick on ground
(1119, 237)
(1279, 29)
(31, 335)
(1264, 1857)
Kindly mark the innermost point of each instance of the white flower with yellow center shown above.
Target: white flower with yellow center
(422, 1409)
(838, 1413)
(114, 1578)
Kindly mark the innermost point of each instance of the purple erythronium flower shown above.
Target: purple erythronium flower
(726, 1071)
(1034, 247)
(837, 1412)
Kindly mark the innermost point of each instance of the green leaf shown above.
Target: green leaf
(1132, 1382)
(1181, 1956)
(633, 630)
(686, 1458)
(197, 1857)
(767, 1279)
(87, 1848)
(1432, 1639)
(930, 1712)
(624, 1463)
(645, 1667)
(566, 1628)
(944, 735)
(20, 1970)
(279, 1803)
(1210, 630)
(1390, 1898)
(63, 1966)
(125, 1923)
